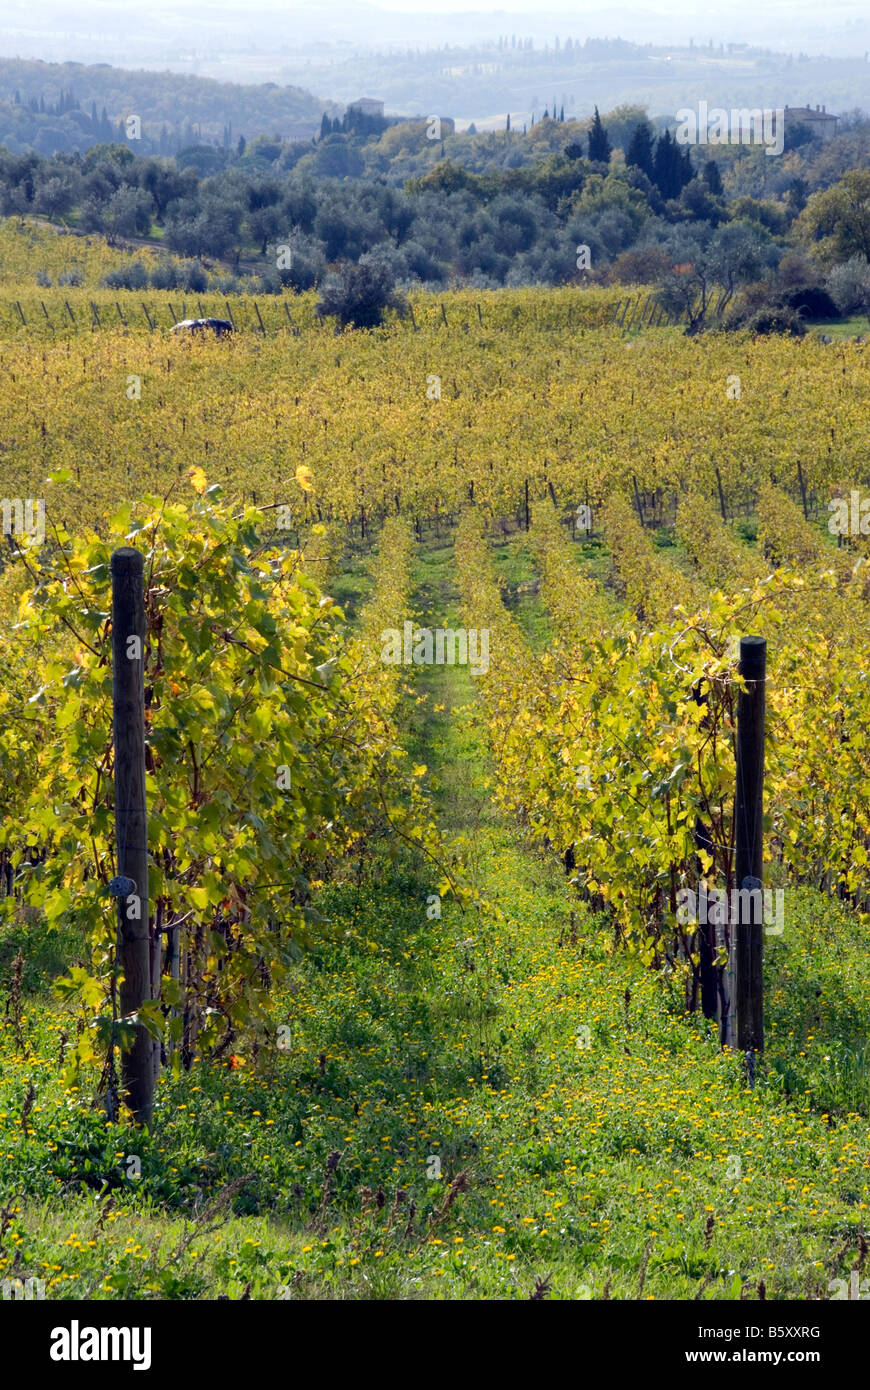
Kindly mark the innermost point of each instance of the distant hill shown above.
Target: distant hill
(66, 106)
(483, 82)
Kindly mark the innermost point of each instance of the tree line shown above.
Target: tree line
(619, 202)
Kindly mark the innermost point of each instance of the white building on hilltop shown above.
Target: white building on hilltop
(820, 121)
(367, 106)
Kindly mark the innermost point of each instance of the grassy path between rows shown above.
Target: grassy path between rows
(466, 1107)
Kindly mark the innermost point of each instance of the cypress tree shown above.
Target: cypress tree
(712, 178)
(640, 149)
(668, 168)
(599, 144)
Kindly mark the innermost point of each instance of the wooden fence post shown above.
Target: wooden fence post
(131, 820)
(803, 488)
(750, 845)
(709, 977)
(721, 492)
(637, 501)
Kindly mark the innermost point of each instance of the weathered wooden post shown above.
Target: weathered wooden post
(749, 837)
(706, 933)
(637, 502)
(131, 820)
(803, 488)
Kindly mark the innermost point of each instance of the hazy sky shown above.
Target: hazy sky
(575, 8)
(689, 15)
(132, 31)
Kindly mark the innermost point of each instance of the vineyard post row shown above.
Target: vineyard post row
(735, 997)
(625, 321)
(152, 319)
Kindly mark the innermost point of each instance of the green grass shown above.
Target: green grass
(350, 581)
(514, 566)
(852, 326)
(588, 1130)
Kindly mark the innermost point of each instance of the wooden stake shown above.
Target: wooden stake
(803, 488)
(637, 501)
(749, 835)
(131, 820)
(721, 493)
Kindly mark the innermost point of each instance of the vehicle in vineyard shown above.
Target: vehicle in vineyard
(219, 327)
